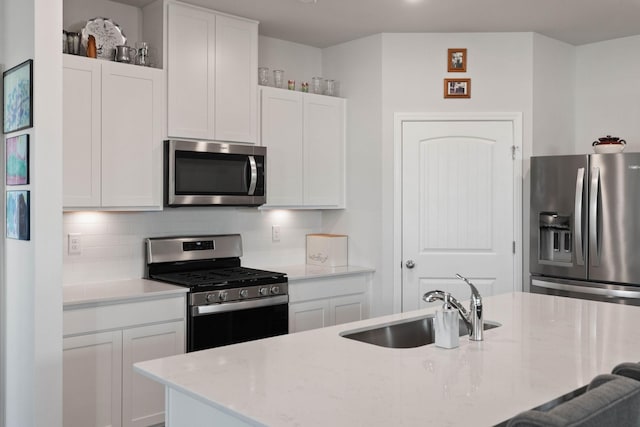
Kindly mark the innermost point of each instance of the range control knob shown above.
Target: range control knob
(244, 293)
(275, 290)
(222, 296)
(211, 297)
(263, 292)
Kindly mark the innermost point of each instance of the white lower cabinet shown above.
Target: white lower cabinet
(92, 380)
(319, 302)
(308, 315)
(100, 387)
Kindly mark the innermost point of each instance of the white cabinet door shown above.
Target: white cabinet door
(142, 398)
(327, 301)
(305, 139)
(112, 135)
(348, 308)
(212, 75)
(131, 135)
(309, 315)
(81, 103)
(92, 375)
(190, 74)
(236, 80)
(282, 135)
(324, 151)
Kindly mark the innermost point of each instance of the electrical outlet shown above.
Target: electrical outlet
(75, 244)
(275, 233)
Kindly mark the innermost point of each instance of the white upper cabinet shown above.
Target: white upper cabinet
(112, 135)
(305, 139)
(282, 135)
(324, 135)
(81, 124)
(131, 135)
(212, 62)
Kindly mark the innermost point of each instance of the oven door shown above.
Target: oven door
(216, 325)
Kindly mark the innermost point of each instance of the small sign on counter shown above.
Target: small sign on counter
(329, 250)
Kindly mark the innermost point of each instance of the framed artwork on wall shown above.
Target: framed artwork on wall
(17, 160)
(457, 60)
(457, 88)
(18, 97)
(18, 215)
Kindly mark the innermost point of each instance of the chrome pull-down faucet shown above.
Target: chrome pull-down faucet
(474, 318)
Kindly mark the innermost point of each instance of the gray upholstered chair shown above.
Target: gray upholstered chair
(631, 370)
(610, 400)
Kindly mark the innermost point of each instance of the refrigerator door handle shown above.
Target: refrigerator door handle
(594, 189)
(577, 217)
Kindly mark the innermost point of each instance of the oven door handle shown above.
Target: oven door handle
(203, 310)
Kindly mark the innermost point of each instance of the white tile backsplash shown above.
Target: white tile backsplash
(113, 242)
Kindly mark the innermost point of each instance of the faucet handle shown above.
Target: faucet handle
(474, 290)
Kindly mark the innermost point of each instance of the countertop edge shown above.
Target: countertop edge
(115, 292)
(307, 271)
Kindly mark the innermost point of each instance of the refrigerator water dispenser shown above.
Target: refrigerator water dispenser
(555, 238)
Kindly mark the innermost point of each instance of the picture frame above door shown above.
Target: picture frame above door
(457, 60)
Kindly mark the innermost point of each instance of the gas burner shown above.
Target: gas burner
(223, 278)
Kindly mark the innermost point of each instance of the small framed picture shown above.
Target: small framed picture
(18, 214)
(17, 160)
(18, 97)
(457, 60)
(457, 88)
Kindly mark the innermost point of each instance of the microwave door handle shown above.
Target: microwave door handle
(594, 188)
(577, 215)
(254, 175)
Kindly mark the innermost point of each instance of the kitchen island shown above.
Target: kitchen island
(545, 347)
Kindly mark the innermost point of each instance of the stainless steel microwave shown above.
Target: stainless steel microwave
(201, 173)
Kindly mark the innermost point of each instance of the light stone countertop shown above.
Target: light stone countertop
(116, 291)
(546, 347)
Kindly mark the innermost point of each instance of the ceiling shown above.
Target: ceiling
(330, 22)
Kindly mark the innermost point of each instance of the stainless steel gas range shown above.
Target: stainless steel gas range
(227, 303)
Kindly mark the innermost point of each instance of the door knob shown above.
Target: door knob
(410, 264)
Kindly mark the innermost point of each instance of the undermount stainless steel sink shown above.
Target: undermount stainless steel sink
(406, 333)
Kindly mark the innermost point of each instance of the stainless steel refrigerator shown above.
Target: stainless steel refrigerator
(585, 226)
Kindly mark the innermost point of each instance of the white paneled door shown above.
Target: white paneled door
(457, 208)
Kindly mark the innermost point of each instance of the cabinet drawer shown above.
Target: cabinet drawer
(329, 287)
(123, 315)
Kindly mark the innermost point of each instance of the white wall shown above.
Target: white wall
(32, 356)
(3, 13)
(607, 92)
(76, 13)
(554, 76)
(552, 121)
(390, 73)
(299, 62)
(358, 67)
(414, 66)
(3, 297)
